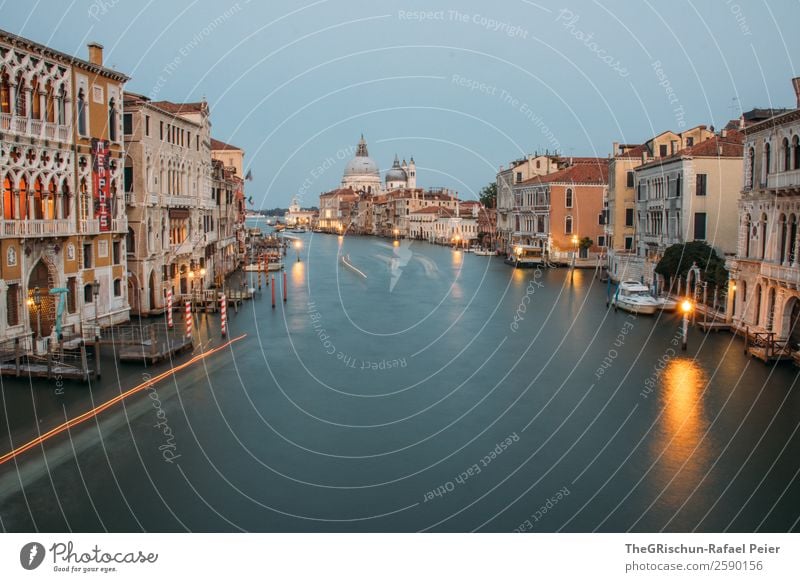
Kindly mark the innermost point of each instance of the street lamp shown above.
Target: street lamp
(457, 241)
(518, 253)
(297, 245)
(96, 295)
(686, 308)
(396, 233)
(574, 256)
(37, 301)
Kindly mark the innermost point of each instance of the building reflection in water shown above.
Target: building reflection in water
(680, 436)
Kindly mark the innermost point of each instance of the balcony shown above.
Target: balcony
(211, 236)
(93, 226)
(152, 199)
(52, 227)
(784, 180)
(174, 201)
(36, 128)
(785, 275)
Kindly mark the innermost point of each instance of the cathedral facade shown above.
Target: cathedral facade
(362, 174)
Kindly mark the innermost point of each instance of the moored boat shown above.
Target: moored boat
(634, 297)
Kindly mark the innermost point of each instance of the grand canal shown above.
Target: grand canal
(442, 392)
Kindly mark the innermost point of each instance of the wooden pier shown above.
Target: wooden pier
(151, 343)
(765, 347)
(70, 359)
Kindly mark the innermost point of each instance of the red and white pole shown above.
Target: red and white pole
(223, 314)
(169, 308)
(188, 319)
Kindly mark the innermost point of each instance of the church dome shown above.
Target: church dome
(361, 166)
(396, 173)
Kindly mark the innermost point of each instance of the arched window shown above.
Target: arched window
(751, 167)
(36, 104)
(568, 225)
(128, 175)
(787, 155)
(5, 93)
(763, 236)
(796, 148)
(23, 198)
(782, 238)
(770, 308)
(767, 158)
(82, 113)
(66, 201)
(130, 241)
(112, 120)
(117, 287)
(757, 306)
(746, 235)
(792, 239)
(568, 198)
(21, 105)
(38, 208)
(87, 293)
(62, 107)
(49, 103)
(8, 199)
(50, 200)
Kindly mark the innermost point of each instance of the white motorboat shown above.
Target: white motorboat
(634, 297)
(667, 303)
(483, 253)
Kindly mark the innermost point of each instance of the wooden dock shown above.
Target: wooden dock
(149, 352)
(73, 359)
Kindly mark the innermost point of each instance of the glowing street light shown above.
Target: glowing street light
(297, 245)
(574, 256)
(396, 233)
(686, 309)
(37, 301)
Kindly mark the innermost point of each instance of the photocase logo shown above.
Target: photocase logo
(402, 255)
(31, 555)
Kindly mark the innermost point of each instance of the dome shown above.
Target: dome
(361, 166)
(396, 174)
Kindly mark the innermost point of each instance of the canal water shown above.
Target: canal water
(418, 388)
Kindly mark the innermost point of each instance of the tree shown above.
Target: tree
(678, 259)
(488, 195)
(585, 243)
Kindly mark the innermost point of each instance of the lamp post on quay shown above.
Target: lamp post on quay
(297, 245)
(574, 256)
(686, 309)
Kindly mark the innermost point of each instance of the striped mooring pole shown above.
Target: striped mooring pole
(169, 308)
(223, 314)
(188, 319)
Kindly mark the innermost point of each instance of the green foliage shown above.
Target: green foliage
(678, 259)
(488, 195)
(585, 243)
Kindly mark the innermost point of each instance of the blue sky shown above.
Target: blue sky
(462, 86)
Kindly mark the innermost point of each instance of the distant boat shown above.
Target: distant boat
(634, 297)
(484, 252)
(526, 256)
(299, 230)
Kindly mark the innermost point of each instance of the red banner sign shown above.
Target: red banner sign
(101, 178)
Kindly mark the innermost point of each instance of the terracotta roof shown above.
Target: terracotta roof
(217, 145)
(340, 192)
(730, 146)
(582, 173)
(178, 108)
(431, 210)
(634, 152)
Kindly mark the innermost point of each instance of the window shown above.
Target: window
(87, 256)
(112, 120)
(628, 243)
(161, 130)
(568, 198)
(601, 241)
(787, 155)
(127, 124)
(519, 176)
(568, 225)
(767, 158)
(72, 290)
(630, 179)
(116, 254)
(12, 304)
(699, 226)
(87, 294)
(662, 150)
(702, 179)
(629, 217)
(82, 113)
(601, 218)
(689, 142)
(147, 125)
(117, 288)
(679, 185)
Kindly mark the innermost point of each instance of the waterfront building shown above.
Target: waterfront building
(444, 225)
(297, 216)
(231, 156)
(63, 219)
(764, 287)
(552, 209)
(226, 235)
(621, 227)
(507, 213)
(169, 199)
(335, 209)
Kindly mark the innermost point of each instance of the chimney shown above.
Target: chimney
(96, 53)
(724, 133)
(615, 148)
(796, 85)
